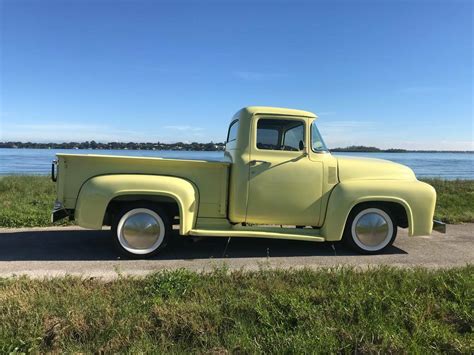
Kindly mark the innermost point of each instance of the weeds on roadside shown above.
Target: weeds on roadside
(331, 310)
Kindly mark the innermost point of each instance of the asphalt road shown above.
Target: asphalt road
(40, 252)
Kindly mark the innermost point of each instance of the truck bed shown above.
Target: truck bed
(210, 177)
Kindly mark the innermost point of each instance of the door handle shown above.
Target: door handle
(254, 162)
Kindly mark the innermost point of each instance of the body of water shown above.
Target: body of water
(442, 165)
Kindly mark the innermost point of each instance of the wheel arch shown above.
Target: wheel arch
(398, 208)
(170, 205)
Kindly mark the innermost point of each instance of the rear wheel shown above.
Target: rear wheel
(370, 229)
(141, 231)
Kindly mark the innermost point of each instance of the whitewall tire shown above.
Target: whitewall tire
(140, 231)
(370, 229)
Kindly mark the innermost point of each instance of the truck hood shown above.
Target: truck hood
(370, 169)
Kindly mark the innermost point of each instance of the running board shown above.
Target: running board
(306, 234)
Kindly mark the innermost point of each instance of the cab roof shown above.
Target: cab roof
(254, 110)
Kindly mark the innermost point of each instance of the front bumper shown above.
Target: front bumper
(439, 226)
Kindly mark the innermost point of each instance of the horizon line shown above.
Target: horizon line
(355, 148)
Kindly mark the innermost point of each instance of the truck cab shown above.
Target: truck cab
(281, 170)
(277, 179)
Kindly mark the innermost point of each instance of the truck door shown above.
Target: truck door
(285, 186)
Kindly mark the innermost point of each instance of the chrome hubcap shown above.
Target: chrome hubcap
(140, 231)
(372, 229)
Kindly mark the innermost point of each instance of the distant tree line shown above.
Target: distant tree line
(361, 148)
(117, 145)
(186, 146)
(364, 149)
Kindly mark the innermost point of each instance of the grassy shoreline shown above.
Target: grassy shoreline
(26, 201)
(334, 310)
(293, 311)
(455, 200)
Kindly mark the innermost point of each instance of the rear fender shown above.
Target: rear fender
(97, 192)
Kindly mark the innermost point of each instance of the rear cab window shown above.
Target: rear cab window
(233, 130)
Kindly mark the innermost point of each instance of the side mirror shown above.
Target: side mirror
(301, 145)
(302, 148)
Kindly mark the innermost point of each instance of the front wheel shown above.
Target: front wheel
(140, 231)
(370, 230)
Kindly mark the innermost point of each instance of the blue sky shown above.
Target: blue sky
(383, 73)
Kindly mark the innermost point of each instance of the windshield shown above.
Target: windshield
(317, 143)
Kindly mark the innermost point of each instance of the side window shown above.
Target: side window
(293, 137)
(267, 138)
(233, 129)
(275, 134)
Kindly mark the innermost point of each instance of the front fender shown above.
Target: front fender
(418, 199)
(97, 192)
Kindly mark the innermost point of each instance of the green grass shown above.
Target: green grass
(334, 310)
(26, 201)
(455, 200)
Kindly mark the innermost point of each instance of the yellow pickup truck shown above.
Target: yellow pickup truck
(277, 180)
